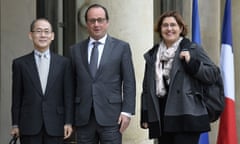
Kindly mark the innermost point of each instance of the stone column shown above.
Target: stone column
(236, 48)
(210, 25)
(132, 21)
(15, 25)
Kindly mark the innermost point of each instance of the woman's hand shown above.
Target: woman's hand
(185, 55)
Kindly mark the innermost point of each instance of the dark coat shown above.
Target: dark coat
(31, 109)
(111, 91)
(185, 110)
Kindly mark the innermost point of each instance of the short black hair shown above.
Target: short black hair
(34, 21)
(96, 6)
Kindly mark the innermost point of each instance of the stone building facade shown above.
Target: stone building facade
(130, 20)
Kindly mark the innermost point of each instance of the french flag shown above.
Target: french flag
(227, 128)
(196, 37)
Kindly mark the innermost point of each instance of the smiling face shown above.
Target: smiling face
(41, 35)
(97, 23)
(170, 30)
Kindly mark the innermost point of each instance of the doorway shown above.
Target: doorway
(62, 15)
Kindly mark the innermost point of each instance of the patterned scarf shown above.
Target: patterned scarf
(163, 66)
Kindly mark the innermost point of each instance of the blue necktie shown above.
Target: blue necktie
(94, 59)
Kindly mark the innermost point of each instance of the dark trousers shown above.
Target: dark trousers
(93, 133)
(179, 138)
(41, 138)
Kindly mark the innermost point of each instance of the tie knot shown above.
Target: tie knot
(95, 44)
(43, 56)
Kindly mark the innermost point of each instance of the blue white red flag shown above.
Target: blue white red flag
(227, 128)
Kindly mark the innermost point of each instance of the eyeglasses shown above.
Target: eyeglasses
(45, 32)
(166, 25)
(99, 20)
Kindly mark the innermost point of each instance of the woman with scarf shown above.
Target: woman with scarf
(172, 105)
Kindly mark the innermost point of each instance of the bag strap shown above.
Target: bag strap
(13, 140)
(185, 44)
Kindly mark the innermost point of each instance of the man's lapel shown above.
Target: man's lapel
(106, 54)
(84, 54)
(33, 72)
(54, 69)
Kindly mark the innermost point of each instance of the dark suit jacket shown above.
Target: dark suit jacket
(30, 108)
(112, 90)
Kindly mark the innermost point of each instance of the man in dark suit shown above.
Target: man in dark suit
(105, 93)
(42, 91)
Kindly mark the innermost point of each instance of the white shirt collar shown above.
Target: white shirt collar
(46, 53)
(102, 40)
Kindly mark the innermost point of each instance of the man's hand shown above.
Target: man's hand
(15, 132)
(144, 125)
(67, 131)
(123, 121)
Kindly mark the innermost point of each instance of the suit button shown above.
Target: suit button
(44, 109)
(178, 91)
